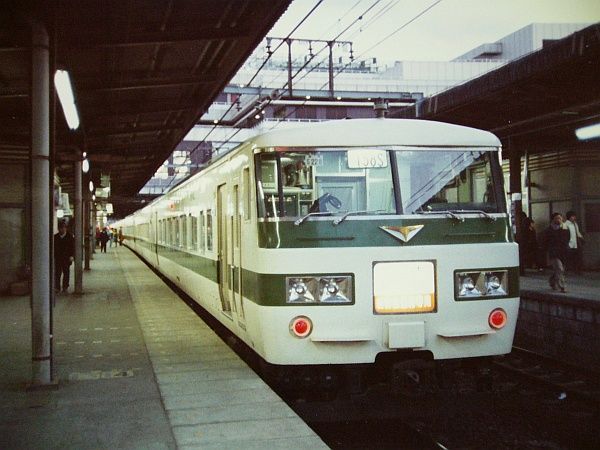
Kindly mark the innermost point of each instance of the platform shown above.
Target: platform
(136, 369)
(564, 326)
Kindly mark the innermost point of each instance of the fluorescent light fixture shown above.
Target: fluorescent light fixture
(91, 186)
(589, 132)
(85, 165)
(62, 82)
(94, 197)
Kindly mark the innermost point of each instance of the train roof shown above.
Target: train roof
(368, 132)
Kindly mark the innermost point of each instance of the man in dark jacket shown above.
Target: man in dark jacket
(64, 251)
(556, 242)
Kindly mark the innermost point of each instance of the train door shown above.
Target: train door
(236, 239)
(224, 251)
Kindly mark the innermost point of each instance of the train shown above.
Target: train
(346, 242)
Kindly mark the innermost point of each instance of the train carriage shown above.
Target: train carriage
(342, 241)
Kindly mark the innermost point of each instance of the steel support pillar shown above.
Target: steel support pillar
(91, 228)
(41, 278)
(514, 160)
(86, 234)
(78, 213)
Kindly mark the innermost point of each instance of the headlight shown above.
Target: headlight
(320, 289)
(481, 284)
(335, 289)
(404, 287)
(496, 283)
(301, 290)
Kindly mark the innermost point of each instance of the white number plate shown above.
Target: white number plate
(367, 158)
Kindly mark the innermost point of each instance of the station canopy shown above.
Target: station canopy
(534, 103)
(143, 71)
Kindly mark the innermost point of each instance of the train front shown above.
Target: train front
(382, 250)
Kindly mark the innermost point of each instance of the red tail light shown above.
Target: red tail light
(301, 326)
(497, 318)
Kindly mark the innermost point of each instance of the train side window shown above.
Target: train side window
(174, 231)
(236, 216)
(202, 238)
(209, 236)
(246, 193)
(194, 232)
(182, 231)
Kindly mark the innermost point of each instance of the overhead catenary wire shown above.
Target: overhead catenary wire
(378, 15)
(401, 27)
(358, 18)
(298, 25)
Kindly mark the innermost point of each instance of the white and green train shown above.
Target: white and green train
(341, 242)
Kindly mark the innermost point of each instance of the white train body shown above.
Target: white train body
(335, 242)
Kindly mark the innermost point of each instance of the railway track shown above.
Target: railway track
(567, 380)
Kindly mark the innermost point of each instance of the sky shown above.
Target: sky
(447, 30)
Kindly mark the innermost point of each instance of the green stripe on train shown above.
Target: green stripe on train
(367, 233)
(268, 289)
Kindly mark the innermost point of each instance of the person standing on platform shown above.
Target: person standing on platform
(556, 242)
(575, 243)
(121, 237)
(64, 254)
(103, 240)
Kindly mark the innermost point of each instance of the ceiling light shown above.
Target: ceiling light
(85, 166)
(588, 132)
(62, 82)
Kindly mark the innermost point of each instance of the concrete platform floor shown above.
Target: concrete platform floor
(136, 369)
(579, 286)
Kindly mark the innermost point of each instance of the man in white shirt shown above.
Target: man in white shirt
(575, 241)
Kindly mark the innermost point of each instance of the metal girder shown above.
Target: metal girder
(322, 94)
(131, 84)
(102, 40)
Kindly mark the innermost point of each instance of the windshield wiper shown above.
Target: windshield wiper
(302, 219)
(339, 220)
(448, 212)
(453, 213)
(478, 211)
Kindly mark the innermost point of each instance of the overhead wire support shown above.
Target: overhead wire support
(401, 27)
(269, 55)
(329, 44)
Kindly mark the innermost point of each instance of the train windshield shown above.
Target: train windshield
(360, 181)
(447, 180)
